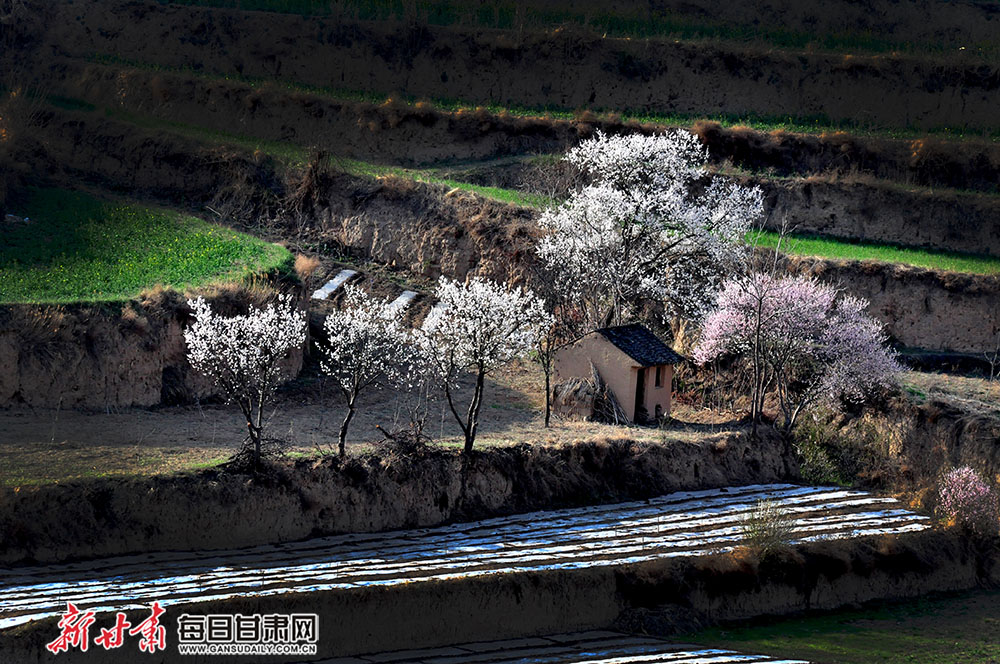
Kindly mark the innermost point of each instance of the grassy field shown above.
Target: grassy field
(809, 245)
(78, 248)
(509, 15)
(962, 629)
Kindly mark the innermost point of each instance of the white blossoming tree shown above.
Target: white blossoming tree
(477, 327)
(367, 347)
(650, 227)
(244, 355)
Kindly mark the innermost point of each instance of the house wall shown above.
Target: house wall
(616, 368)
(658, 396)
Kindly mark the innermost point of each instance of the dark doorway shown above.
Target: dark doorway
(640, 396)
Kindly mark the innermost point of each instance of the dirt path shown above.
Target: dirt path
(43, 446)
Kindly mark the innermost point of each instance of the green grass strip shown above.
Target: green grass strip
(824, 247)
(949, 630)
(431, 176)
(77, 248)
(519, 17)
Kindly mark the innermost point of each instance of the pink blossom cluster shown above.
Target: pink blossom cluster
(803, 338)
(965, 496)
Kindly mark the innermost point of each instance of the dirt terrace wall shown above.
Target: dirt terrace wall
(655, 597)
(416, 134)
(90, 148)
(396, 133)
(913, 441)
(941, 434)
(883, 212)
(663, 597)
(925, 161)
(103, 356)
(920, 308)
(560, 68)
(312, 498)
(851, 207)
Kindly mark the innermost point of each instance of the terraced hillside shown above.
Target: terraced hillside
(682, 524)
(880, 154)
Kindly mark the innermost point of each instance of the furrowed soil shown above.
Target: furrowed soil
(656, 597)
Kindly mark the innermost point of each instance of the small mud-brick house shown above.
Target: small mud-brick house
(634, 364)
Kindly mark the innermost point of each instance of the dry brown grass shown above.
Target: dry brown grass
(305, 268)
(977, 395)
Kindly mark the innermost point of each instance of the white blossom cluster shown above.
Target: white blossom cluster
(480, 325)
(651, 226)
(476, 327)
(367, 345)
(243, 354)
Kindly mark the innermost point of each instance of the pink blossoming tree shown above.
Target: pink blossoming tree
(963, 495)
(804, 340)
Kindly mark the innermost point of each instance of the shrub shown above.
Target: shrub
(966, 498)
(305, 269)
(767, 528)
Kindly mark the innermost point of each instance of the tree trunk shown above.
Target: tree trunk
(548, 397)
(342, 440)
(473, 419)
(253, 412)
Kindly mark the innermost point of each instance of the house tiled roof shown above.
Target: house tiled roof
(640, 344)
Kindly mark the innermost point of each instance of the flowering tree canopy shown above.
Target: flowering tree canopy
(366, 347)
(804, 338)
(966, 498)
(647, 228)
(479, 326)
(243, 355)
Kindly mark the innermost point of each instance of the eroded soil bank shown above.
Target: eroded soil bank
(907, 445)
(107, 355)
(384, 491)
